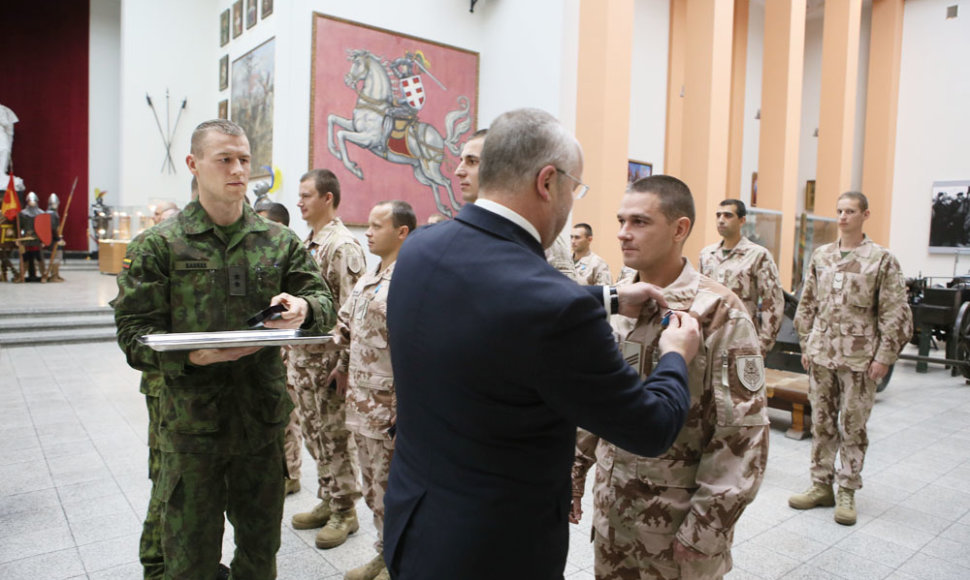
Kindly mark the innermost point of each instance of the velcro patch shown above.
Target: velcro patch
(751, 371)
(126, 263)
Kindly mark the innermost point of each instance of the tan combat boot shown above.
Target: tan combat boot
(384, 575)
(368, 571)
(55, 274)
(341, 524)
(845, 507)
(292, 486)
(316, 518)
(818, 495)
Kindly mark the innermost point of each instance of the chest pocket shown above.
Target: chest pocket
(196, 296)
(740, 388)
(736, 282)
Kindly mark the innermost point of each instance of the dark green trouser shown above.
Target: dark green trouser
(150, 548)
(194, 490)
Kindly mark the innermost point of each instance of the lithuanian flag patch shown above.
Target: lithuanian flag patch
(126, 263)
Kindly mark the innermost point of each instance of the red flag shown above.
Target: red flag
(11, 203)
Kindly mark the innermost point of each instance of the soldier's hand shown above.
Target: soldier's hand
(576, 513)
(632, 297)
(805, 362)
(877, 370)
(208, 356)
(683, 335)
(684, 553)
(294, 315)
(340, 378)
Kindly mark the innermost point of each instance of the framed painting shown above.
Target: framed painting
(224, 72)
(638, 169)
(253, 82)
(224, 109)
(237, 18)
(224, 28)
(810, 195)
(389, 114)
(267, 8)
(250, 13)
(950, 217)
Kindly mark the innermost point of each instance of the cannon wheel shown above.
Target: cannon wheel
(961, 334)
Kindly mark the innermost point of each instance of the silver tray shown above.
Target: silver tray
(230, 339)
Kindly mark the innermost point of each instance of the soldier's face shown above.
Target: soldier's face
(580, 241)
(312, 205)
(647, 237)
(850, 215)
(383, 239)
(467, 171)
(222, 168)
(728, 222)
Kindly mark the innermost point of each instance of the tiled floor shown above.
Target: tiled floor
(73, 485)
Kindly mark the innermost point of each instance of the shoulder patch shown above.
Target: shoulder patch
(751, 371)
(354, 262)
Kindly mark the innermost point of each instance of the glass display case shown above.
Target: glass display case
(811, 231)
(114, 227)
(763, 227)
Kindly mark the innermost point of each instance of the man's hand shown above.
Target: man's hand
(341, 378)
(576, 513)
(806, 362)
(683, 335)
(684, 553)
(208, 356)
(877, 370)
(294, 315)
(632, 297)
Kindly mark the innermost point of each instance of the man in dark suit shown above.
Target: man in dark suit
(497, 358)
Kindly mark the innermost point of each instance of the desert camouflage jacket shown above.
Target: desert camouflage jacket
(593, 270)
(750, 272)
(698, 489)
(362, 333)
(341, 260)
(187, 275)
(560, 258)
(853, 310)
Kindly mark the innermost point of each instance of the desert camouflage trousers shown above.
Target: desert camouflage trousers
(194, 490)
(293, 437)
(150, 546)
(648, 555)
(324, 422)
(841, 403)
(374, 456)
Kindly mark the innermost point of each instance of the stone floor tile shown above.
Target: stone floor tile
(875, 548)
(51, 566)
(926, 566)
(849, 565)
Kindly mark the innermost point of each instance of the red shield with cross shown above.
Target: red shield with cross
(412, 89)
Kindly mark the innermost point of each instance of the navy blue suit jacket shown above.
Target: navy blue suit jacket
(497, 358)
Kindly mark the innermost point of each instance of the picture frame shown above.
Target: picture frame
(224, 28)
(267, 8)
(754, 189)
(637, 170)
(224, 109)
(224, 72)
(950, 217)
(250, 14)
(251, 103)
(437, 86)
(810, 195)
(237, 18)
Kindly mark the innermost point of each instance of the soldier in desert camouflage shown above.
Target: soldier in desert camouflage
(673, 516)
(341, 260)
(591, 269)
(748, 270)
(852, 321)
(364, 370)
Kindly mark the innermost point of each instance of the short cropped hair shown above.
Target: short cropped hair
(276, 212)
(478, 134)
(402, 214)
(324, 180)
(224, 126)
(676, 200)
(739, 209)
(857, 196)
(587, 227)
(522, 142)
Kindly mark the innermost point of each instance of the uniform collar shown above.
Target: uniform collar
(195, 220)
(741, 247)
(319, 237)
(680, 293)
(863, 250)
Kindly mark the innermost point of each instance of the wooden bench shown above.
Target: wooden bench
(789, 391)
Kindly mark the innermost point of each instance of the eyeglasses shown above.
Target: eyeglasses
(580, 189)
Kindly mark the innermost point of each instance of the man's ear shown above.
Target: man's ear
(190, 163)
(682, 229)
(544, 181)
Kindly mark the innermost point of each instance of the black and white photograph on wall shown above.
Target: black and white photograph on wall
(950, 216)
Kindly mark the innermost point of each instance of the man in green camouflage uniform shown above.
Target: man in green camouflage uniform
(853, 320)
(221, 412)
(591, 269)
(364, 371)
(341, 262)
(673, 516)
(748, 270)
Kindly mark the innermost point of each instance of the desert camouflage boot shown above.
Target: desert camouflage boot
(818, 495)
(316, 518)
(341, 524)
(845, 507)
(368, 571)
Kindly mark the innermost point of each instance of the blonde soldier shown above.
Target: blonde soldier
(591, 269)
(852, 321)
(364, 370)
(673, 516)
(341, 261)
(748, 270)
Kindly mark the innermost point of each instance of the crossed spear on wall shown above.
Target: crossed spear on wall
(167, 163)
